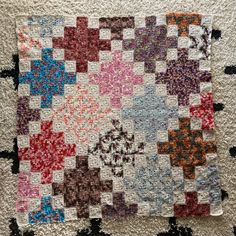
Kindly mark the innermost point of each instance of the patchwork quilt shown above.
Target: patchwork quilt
(115, 118)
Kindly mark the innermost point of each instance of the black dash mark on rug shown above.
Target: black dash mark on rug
(12, 156)
(14, 72)
(232, 151)
(93, 230)
(230, 70)
(176, 230)
(218, 106)
(216, 34)
(15, 231)
(224, 195)
(234, 230)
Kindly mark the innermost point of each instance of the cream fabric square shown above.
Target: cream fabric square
(36, 54)
(95, 211)
(47, 42)
(105, 56)
(116, 45)
(34, 31)
(93, 22)
(70, 66)
(161, 66)
(58, 202)
(58, 31)
(184, 111)
(128, 125)
(105, 34)
(138, 68)
(34, 204)
(149, 78)
(106, 198)
(34, 127)
(139, 22)
(173, 123)
(209, 135)
(24, 65)
(161, 20)
(196, 123)
(94, 162)
(82, 78)
(172, 101)
(179, 198)
(70, 89)
(207, 21)
(70, 162)
(25, 166)
(35, 102)
(128, 56)
(194, 99)
(183, 42)
(177, 173)
(58, 101)
(70, 213)
(143, 209)
(205, 65)
(206, 87)
(201, 171)
(195, 30)
(161, 90)
(58, 176)
(128, 33)
(93, 67)
(23, 90)
(127, 102)
(105, 173)
(129, 169)
(189, 185)
(82, 149)
(93, 137)
(172, 31)
(140, 161)
(162, 136)
(172, 54)
(35, 178)
(58, 54)
(203, 197)
(22, 218)
(150, 148)
(118, 184)
(70, 21)
(58, 126)
(69, 137)
(138, 90)
(194, 54)
(94, 90)
(46, 189)
(212, 158)
(23, 141)
(216, 209)
(139, 137)
(131, 197)
(164, 162)
(167, 210)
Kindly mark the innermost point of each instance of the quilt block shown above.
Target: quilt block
(115, 118)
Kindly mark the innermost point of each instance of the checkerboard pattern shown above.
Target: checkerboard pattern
(115, 118)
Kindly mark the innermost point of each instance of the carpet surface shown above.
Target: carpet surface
(223, 79)
(115, 118)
